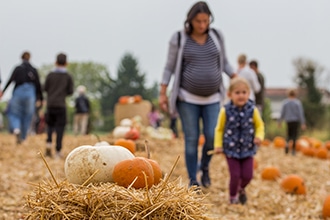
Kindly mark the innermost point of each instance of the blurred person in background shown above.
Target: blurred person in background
(58, 85)
(247, 73)
(27, 91)
(259, 96)
(82, 109)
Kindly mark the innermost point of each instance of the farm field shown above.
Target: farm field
(21, 167)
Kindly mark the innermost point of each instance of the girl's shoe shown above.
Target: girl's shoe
(234, 200)
(242, 197)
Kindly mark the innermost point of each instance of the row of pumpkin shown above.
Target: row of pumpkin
(308, 146)
(294, 184)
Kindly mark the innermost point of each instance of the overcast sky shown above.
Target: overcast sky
(273, 32)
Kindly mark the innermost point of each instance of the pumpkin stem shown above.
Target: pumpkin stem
(147, 148)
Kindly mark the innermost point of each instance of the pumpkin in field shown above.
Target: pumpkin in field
(120, 131)
(255, 164)
(84, 161)
(102, 143)
(123, 99)
(137, 98)
(316, 143)
(265, 142)
(279, 142)
(327, 145)
(201, 140)
(137, 170)
(309, 151)
(132, 134)
(293, 184)
(326, 207)
(158, 174)
(321, 153)
(301, 144)
(270, 173)
(129, 144)
(126, 122)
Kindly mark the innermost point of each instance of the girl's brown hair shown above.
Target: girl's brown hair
(238, 81)
(199, 7)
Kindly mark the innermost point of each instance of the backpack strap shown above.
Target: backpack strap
(179, 39)
(217, 34)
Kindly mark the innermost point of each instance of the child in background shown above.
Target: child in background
(292, 113)
(154, 117)
(239, 131)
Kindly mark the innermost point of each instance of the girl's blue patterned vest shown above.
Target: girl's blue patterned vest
(239, 131)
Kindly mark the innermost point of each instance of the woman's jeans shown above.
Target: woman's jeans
(190, 115)
(21, 108)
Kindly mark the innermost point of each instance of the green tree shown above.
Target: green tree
(130, 81)
(307, 76)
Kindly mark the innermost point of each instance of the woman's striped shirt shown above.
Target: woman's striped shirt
(201, 69)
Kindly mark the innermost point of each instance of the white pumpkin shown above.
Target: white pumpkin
(120, 131)
(83, 161)
(102, 143)
(126, 122)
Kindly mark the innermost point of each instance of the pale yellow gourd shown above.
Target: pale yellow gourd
(84, 161)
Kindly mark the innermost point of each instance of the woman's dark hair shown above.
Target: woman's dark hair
(199, 7)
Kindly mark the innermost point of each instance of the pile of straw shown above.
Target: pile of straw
(167, 200)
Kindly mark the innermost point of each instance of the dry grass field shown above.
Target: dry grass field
(21, 167)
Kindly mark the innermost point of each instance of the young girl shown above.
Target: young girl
(238, 132)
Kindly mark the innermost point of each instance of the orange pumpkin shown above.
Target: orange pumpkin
(309, 151)
(293, 184)
(132, 134)
(158, 174)
(279, 142)
(123, 99)
(270, 173)
(321, 153)
(327, 145)
(137, 98)
(265, 142)
(201, 140)
(255, 164)
(129, 144)
(126, 171)
(315, 142)
(302, 143)
(326, 207)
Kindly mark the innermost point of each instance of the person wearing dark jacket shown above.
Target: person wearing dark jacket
(80, 120)
(58, 85)
(27, 91)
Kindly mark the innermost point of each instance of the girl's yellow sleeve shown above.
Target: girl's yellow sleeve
(258, 125)
(219, 129)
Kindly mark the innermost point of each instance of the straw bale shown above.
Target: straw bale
(131, 110)
(168, 200)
